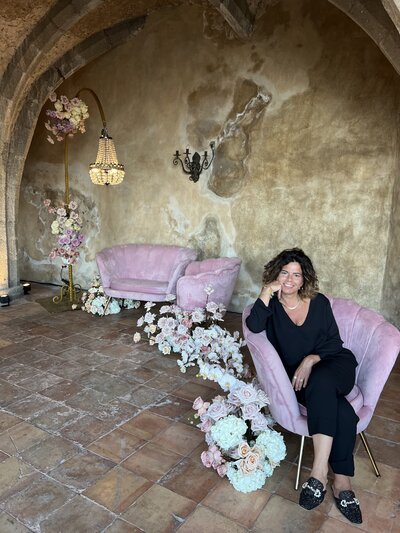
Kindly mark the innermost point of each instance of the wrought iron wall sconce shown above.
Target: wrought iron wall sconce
(195, 166)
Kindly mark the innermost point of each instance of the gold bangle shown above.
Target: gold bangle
(270, 290)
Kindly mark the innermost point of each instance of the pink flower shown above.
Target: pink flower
(217, 410)
(47, 202)
(259, 423)
(200, 406)
(250, 411)
(243, 395)
(222, 469)
(198, 403)
(207, 459)
(205, 425)
(53, 97)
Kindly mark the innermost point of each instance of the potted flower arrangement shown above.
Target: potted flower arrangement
(94, 301)
(241, 443)
(68, 227)
(198, 338)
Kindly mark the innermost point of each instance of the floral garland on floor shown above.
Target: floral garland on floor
(68, 226)
(198, 338)
(94, 301)
(241, 444)
(237, 427)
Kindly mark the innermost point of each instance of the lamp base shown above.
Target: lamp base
(69, 291)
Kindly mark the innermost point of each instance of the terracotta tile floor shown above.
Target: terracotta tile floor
(95, 437)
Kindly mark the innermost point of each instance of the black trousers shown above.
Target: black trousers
(328, 411)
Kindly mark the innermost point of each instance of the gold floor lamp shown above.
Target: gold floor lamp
(105, 171)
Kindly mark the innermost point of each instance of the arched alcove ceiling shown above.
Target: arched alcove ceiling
(46, 43)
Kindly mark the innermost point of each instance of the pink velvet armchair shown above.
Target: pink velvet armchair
(221, 274)
(374, 342)
(142, 271)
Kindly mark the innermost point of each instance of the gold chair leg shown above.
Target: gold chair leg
(296, 485)
(107, 304)
(369, 453)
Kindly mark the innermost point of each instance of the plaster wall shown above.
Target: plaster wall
(304, 115)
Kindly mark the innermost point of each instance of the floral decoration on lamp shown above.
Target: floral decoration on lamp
(67, 118)
(68, 227)
(241, 443)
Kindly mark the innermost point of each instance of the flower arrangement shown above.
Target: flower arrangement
(94, 301)
(198, 338)
(241, 443)
(67, 118)
(68, 227)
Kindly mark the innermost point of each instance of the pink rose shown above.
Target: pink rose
(250, 411)
(207, 459)
(205, 425)
(217, 410)
(198, 403)
(222, 469)
(243, 395)
(259, 423)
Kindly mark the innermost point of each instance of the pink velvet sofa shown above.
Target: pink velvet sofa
(220, 274)
(142, 271)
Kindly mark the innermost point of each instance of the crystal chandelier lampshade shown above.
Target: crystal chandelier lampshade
(106, 170)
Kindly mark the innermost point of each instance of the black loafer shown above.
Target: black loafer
(312, 494)
(349, 506)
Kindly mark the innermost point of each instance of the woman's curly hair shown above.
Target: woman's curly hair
(272, 270)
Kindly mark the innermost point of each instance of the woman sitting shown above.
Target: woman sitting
(300, 325)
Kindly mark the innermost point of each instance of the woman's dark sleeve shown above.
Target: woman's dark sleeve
(330, 342)
(257, 319)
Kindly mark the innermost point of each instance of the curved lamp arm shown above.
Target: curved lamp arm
(100, 107)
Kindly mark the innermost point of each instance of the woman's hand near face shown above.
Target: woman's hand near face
(268, 290)
(302, 374)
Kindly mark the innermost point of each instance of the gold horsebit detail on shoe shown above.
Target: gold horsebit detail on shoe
(317, 492)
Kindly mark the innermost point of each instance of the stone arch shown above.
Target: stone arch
(35, 69)
(21, 134)
(28, 79)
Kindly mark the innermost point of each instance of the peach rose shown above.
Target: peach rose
(243, 449)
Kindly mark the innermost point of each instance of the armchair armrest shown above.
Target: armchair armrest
(274, 380)
(177, 274)
(378, 361)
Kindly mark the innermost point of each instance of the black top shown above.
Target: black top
(318, 334)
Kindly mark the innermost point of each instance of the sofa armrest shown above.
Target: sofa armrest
(103, 271)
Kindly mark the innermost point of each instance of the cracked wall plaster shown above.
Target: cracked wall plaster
(233, 143)
(315, 168)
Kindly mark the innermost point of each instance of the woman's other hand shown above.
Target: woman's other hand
(302, 374)
(268, 290)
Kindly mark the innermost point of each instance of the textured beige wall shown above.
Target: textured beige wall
(313, 167)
